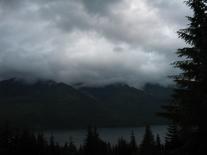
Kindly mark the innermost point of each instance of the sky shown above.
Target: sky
(94, 42)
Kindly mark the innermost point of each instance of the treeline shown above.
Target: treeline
(26, 142)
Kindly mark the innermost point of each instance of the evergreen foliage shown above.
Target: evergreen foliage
(133, 143)
(159, 146)
(25, 142)
(147, 147)
(93, 144)
(122, 147)
(171, 139)
(189, 106)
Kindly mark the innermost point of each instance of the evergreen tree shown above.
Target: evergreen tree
(122, 147)
(147, 147)
(27, 143)
(52, 147)
(189, 106)
(72, 148)
(159, 146)
(41, 144)
(189, 99)
(6, 139)
(93, 144)
(133, 144)
(171, 139)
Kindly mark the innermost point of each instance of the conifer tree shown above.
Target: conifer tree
(189, 106)
(122, 147)
(171, 139)
(93, 144)
(41, 144)
(147, 147)
(5, 139)
(159, 146)
(52, 147)
(133, 144)
(72, 148)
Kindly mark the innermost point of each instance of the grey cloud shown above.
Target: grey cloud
(173, 11)
(11, 4)
(100, 7)
(90, 41)
(118, 49)
(118, 27)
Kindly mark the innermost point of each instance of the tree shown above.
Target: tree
(189, 106)
(52, 148)
(159, 146)
(147, 147)
(122, 147)
(171, 139)
(6, 139)
(189, 97)
(41, 144)
(93, 144)
(133, 144)
(72, 148)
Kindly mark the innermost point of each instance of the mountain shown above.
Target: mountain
(130, 105)
(159, 91)
(48, 104)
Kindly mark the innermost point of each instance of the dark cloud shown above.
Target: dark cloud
(90, 41)
(100, 7)
(11, 4)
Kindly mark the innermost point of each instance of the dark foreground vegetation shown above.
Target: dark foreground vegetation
(188, 109)
(25, 142)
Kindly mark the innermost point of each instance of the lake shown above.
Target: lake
(107, 134)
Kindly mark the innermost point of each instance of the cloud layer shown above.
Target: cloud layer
(90, 41)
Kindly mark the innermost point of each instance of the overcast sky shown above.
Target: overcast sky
(90, 41)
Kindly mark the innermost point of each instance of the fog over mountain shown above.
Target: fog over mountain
(90, 41)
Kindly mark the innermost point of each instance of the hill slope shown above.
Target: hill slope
(48, 104)
(130, 105)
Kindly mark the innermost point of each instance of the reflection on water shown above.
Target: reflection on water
(107, 134)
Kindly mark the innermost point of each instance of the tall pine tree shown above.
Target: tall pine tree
(133, 144)
(171, 139)
(148, 146)
(189, 107)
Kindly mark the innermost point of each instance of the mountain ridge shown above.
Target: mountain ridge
(50, 104)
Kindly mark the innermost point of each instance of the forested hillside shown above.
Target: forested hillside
(49, 104)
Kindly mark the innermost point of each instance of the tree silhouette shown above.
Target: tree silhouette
(133, 144)
(93, 144)
(189, 106)
(41, 144)
(188, 97)
(26, 142)
(172, 141)
(159, 146)
(72, 148)
(147, 147)
(122, 147)
(6, 139)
